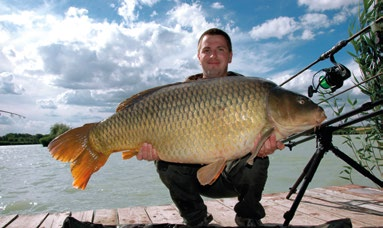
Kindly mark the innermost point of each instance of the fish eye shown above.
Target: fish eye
(301, 100)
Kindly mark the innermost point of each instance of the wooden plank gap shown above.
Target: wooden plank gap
(28, 221)
(54, 220)
(133, 215)
(6, 220)
(83, 216)
(107, 217)
(164, 214)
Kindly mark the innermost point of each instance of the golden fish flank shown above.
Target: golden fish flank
(207, 121)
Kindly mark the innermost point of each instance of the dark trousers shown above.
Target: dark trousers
(244, 181)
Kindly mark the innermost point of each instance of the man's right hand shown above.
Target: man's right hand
(148, 153)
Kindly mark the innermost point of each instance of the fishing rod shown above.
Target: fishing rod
(336, 48)
(12, 114)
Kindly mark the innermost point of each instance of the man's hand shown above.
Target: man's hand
(147, 152)
(270, 145)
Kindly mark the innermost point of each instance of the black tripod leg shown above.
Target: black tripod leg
(293, 189)
(313, 165)
(356, 166)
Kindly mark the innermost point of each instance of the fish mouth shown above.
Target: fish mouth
(320, 118)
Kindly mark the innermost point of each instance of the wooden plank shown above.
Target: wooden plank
(311, 210)
(274, 214)
(106, 217)
(340, 194)
(320, 210)
(7, 219)
(371, 193)
(275, 210)
(343, 208)
(55, 220)
(367, 192)
(365, 204)
(324, 207)
(134, 215)
(164, 214)
(222, 214)
(277, 207)
(28, 221)
(83, 216)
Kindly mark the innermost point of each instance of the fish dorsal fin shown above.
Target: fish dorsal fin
(208, 174)
(131, 100)
(265, 134)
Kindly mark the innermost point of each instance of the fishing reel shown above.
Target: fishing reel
(332, 78)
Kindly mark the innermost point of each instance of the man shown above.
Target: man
(238, 179)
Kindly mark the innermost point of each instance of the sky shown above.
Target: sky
(73, 61)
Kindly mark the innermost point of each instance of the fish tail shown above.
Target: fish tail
(72, 146)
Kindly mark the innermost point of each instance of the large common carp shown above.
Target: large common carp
(208, 121)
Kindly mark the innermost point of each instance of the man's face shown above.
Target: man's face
(214, 56)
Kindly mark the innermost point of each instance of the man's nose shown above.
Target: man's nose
(213, 54)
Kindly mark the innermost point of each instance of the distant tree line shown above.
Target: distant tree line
(22, 139)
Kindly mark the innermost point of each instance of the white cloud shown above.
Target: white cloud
(189, 16)
(127, 11)
(277, 27)
(307, 35)
(149, 2)
(217, 5)
(8, 86)
(321, 5)
(47, 104)
(307, 26)
(314, 21)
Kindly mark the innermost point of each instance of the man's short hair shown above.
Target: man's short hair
(216, 31)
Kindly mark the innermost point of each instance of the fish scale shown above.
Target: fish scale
(208, 121)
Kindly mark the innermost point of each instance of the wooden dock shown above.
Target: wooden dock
(363, 205)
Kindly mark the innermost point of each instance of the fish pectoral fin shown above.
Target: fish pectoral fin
(129, 154)
(265, 134)
(208, 174)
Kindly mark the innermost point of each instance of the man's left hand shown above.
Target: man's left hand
(270, 145)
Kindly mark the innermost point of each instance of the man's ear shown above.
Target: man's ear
(199, 59)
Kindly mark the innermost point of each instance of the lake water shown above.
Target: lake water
(31, 181)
